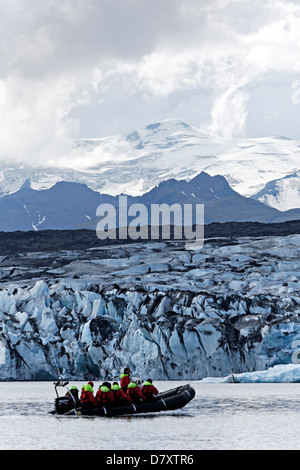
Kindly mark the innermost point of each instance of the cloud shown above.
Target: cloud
(222, 51)
(92, 68)
(34, 122)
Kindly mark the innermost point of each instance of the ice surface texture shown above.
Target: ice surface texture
(230, 307)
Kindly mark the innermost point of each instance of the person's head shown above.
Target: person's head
(91, 384)
(136, 380)
(127, 370)
(106, 384)
(149, 380)
(115, 386)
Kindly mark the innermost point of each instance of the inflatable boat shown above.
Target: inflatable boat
(173, 399)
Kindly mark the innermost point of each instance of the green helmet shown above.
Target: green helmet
(132, 385)
(88, 388)
(116, 387)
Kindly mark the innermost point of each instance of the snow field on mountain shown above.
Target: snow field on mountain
(135, 162)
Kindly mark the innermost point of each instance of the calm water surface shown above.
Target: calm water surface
(221, 416)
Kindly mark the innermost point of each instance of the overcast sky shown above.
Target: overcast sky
(91, 68)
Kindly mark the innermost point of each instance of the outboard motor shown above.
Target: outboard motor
(63, 405)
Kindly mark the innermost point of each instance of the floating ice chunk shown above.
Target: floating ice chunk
(280, 373)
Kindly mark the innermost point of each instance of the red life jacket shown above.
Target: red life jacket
(135, 392)
(149, 390)
(87, 396)
(104, 396)
(83, 396)
(125, 380)
(119, 394)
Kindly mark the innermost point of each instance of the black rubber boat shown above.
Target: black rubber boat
(173, 399)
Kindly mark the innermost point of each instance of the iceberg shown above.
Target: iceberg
(281, 373)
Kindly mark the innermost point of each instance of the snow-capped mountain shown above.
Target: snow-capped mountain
(13, 177)
(284, 193)
(173, 149)
(137, 161)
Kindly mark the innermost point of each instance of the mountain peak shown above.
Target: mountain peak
(218, 181)
(167, 123)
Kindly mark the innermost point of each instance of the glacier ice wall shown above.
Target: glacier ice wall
(232, 306)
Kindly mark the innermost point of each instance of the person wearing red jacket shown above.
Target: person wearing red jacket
(149, 390)
(135, 393)
(104, 395)
(87, 398)
(119, 394)
(82, 391)
(125, 379)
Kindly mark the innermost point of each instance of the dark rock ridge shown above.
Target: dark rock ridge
(53, 240)
(70, 205)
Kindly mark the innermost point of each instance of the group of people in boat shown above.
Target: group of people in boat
(116, 394)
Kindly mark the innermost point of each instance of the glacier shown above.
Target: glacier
(167, 311)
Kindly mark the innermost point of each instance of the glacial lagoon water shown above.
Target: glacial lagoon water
(221, 417)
